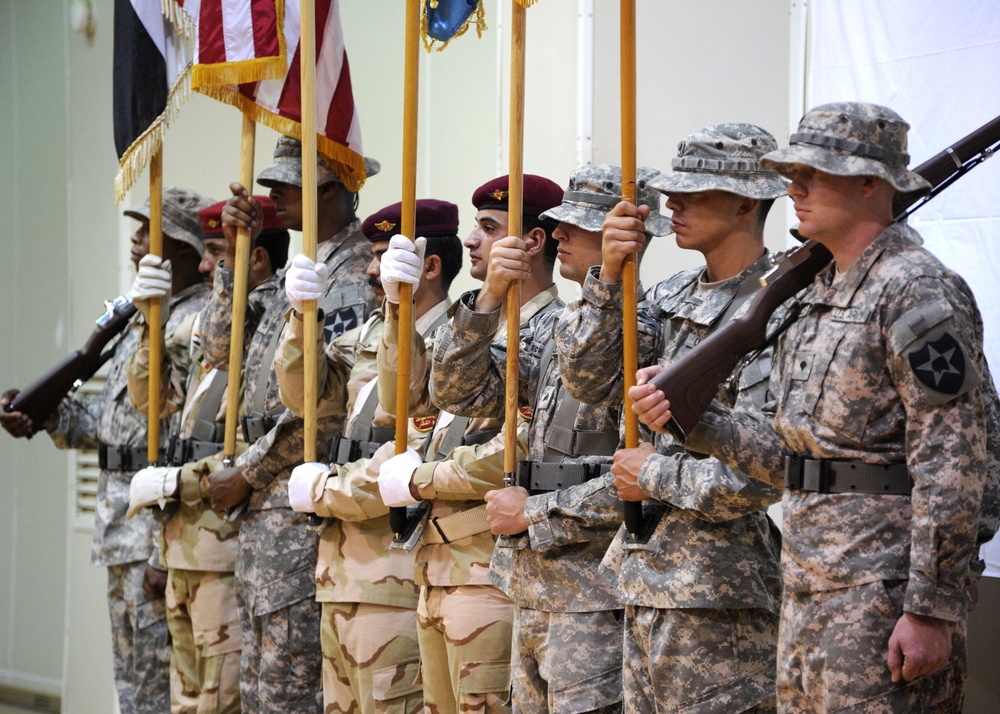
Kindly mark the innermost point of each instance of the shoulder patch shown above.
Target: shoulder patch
(939, 364)
(340, 322)
(526, 412)
(424, 424)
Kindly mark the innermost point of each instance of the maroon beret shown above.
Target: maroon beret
(211, 217)
(433, 218)
(539, 194)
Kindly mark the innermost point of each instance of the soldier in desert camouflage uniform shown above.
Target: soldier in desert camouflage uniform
(369, 600)
(108, 422)
(281, 662)
(464, 622)
(880, 432)
(701, 585)
(197, 545)
(564, 605)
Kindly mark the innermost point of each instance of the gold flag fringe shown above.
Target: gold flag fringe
(180, 19)
(345, 162)
(526, 3)
(135, 159)
(431, 45)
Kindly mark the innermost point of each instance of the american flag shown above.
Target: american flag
(276, 102)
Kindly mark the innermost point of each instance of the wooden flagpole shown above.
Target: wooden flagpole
(240, 288)
(411, 78)
(307, 68)
(515, 202)
(155, 309)
(630, 279)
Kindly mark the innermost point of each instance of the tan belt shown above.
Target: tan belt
(455, 526)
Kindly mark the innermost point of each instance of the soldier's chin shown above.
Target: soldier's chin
(379, 294)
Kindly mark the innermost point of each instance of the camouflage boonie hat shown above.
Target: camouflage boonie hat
(287, 166)
(595, 190)
(724, 157)
(851, 139)
(180, 215)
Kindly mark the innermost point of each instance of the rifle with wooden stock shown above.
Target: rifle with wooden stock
(41, 398)
(692, 382)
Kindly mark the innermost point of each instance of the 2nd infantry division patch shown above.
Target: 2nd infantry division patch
(340, 322)
(939, 364)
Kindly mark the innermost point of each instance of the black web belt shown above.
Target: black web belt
(344, 450)
(543, 476)
(827, 476)
(124, 458)
(188, 450)
(254, 427)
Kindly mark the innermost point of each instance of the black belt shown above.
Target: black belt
(827, 476)
(188, 450)
(254, 427)
(544, 476)
(344, 450)
(124, 458)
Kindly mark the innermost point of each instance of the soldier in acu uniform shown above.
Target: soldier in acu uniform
(880, 432)
(464, 621)
(280, 618)
(197, 546)
(110, 423)
(369, 629)
(701, 583)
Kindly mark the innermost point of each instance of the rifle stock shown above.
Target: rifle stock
(692, 382)
(41, 398)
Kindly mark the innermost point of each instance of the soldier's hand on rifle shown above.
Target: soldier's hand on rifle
(228, 488)
(505, 510)
(154, 583)
(153, 486)
(509, 261)
(623, 234)
(301, 484)
(17, 424)
(152, 282)
(402, 263)
(648, 402)
(305, 280)
(395, 479)
(626, 467)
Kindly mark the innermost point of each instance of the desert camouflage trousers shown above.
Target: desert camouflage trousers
(699, 660)
(567, 662)
(139, 642)
(205, 642)
(465, 633)
(371, 659)
(832, 655)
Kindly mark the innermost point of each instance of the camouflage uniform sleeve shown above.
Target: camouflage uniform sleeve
(945, 445)
(577, 514)
(174, 370)
(331, 372)
(388, 356)
(73, 425)
(217, 320)
(281, 448)
(989, 509)
(466, 379)
(743, 440)
(589, 339)
(469, 471)
(705, 487)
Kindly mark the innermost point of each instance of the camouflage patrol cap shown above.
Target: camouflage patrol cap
(287, 166)
(723, 157)
(431, 217)
(851, 139)
(180, 215)
(595, 189)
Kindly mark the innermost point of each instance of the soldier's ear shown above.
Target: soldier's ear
(535, 241)
(259, 259)
(432, 267)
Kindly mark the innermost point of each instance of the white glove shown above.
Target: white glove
(394, 479)
(152, 485)
(301, 483)
(305, 280)
(152, 282)
(402, 263)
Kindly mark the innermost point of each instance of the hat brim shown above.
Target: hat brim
(755, 185)
(170, 229)
(592, 219)
(841, 164)
(291, 173)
